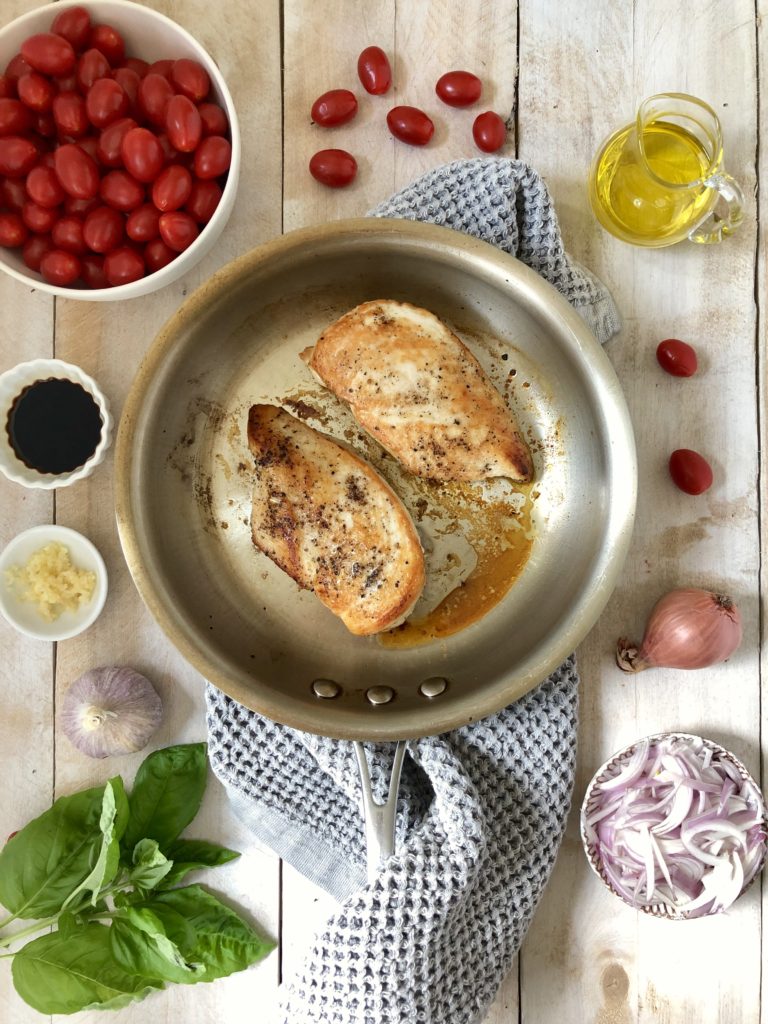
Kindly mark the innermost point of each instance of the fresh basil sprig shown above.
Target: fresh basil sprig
(102, 868)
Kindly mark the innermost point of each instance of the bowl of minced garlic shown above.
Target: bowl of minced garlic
(53, 583)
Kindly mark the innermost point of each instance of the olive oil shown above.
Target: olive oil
(655, 197)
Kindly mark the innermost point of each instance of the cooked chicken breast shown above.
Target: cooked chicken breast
(332, 523)
(415, 386)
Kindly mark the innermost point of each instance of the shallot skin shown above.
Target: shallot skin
(688, 628)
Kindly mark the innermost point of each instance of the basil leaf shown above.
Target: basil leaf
(58, 974)
(223, 942)
(51, 855)
(150, 865)
(105, 867)
(167, 794)
(192, 855)
(140, 945)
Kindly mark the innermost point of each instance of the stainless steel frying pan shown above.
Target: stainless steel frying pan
(183, 479)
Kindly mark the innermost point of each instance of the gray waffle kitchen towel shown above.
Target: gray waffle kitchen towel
(482, 809)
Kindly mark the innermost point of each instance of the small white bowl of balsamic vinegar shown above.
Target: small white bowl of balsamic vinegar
(55, 424)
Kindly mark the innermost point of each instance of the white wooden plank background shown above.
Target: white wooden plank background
(568, 73)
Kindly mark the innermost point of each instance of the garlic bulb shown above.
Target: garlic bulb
(110, 711)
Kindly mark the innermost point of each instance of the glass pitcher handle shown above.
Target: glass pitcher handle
(718, 225)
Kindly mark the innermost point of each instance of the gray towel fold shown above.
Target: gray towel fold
(482, 809)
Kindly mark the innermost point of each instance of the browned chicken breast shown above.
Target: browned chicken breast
(420, 392)
(332, 523)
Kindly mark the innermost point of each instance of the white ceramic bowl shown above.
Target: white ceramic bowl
(151, 36)
(12, 382)
(23, 615)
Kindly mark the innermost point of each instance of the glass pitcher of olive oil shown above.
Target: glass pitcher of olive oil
(660, 179)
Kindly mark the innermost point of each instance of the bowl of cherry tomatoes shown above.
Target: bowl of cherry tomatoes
(119, 150)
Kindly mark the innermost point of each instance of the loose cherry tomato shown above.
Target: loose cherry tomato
(92, 271)
(17, 156)
(155, 94)
(13, 231)
(67, 234)
(70, 115)
(39, 219)
(103, 229)
(158, 255)
(120, 191)
(106, 101)
(75, 25)
(49, 53)
(690, 471)
(143, 224)
(16, 68)
(160, 67)
(111, 141)
(214, 119)
(107, 40)
(66, 83)
(44, 187)
(334, 107)
(212, 157)
(92, 66)
(333, 167)
(374, 71)
(411, 125)
(35, 247)
(36, 92)
(121, 266)
(44, 125)
(459, 88)
(489, 132)
(191, 79)
(203, 200)
(183, 124)
(136, 64)
(178, 230)
(7, 88)
(60, 268)
(142, 154)
(172, 189)
(90, 145)
(80, 207)
(77, 171)
(677, 358)
(14, 117)
(130, 82)
(13, 194)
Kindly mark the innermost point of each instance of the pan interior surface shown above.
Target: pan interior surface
(185, 478)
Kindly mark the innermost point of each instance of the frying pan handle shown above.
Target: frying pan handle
(379, 817)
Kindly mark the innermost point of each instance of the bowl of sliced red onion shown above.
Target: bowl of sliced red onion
(675, 826)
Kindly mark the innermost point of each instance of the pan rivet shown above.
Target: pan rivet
(325, 688)
(380, 694)
(433, 687)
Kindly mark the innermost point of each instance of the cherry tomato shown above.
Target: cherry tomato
(489, 131)
(160, 67)
(178, 230)
(43, 186)
(155, 94)
(677, 358)
(459, 88)
(60, 267)
(143, 224)
(35, 247)
(70, 115)
(13, 231)
(172, 189)
(92, 66)
(67, 234)
(190, 79)
(121, 191)
(374, 71)
(103, 229)
(106, 101)
(411, 125)
(690, 471)
(92, 271)
(39, 219)
(111, 141)
(81, 207)
(44, 125)
(334, 107)
(136, 64)
(66, 83)
(203, 200)
(158, 255)
(14, 117)
(333, 167)
(7, 88)
(121, 266)
(49, 53)
(36, 92)
(183, 124)
(75, 25)
(13, 194)
(77, 171)
(130, 82)
(214, 119)
(212, 157)
(90, 145)
(107, 40)
(16, 68)
(142, 154)
(17, 156)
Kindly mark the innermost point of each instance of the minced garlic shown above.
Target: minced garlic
(52, 582)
